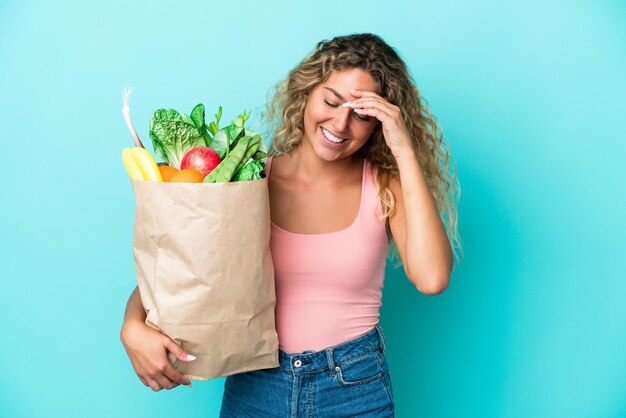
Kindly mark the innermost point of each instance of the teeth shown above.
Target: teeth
(332, 137)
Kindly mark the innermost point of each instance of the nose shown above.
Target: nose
(342, 119)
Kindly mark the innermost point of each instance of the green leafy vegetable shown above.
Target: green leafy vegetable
(249, 171)
(262, 146)
(197, 117)
(253, 146)
(226, 169)
(241, 119)
(232, 160)
(259, 155)
(214, 126)
(173, 134)
(226, 138)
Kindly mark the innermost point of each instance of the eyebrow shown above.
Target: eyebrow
(336, 93)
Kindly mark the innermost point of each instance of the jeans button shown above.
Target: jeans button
(297, 363)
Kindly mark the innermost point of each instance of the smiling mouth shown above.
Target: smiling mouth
(331, 137)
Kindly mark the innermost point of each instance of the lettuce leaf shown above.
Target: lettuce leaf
(173, 134)
(250, 171)
(262, 145)
(224, 139)
(197, 117)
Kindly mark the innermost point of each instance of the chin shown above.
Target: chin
(328, 155)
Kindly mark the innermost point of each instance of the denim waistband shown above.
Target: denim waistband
(315, 361)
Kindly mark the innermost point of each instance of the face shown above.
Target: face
(331, 131)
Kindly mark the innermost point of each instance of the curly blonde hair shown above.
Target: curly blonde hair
(284, 118)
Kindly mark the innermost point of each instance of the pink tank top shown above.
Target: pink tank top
(329, 286)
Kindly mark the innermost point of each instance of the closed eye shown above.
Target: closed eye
(362, 118)
(356, 115)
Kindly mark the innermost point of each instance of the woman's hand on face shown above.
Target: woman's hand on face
(147, 349)
(394, 130)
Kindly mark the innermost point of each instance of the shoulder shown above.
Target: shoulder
(274, 165)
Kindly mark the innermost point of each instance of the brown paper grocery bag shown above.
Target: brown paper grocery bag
(205, 272)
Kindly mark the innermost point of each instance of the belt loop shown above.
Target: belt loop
(382, 338)
(331, 362)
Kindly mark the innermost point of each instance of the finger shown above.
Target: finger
(144, 381)
(375, 113)
(165, 382)
(154, 385)
(169, 371)
(176, 376)
(362, 100)
(178, 352)
(364, 93)
(382, 104)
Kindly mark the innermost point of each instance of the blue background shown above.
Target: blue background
(530, 96)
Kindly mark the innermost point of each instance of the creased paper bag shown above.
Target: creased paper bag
(205, 272)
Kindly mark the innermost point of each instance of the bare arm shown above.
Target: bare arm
(147, 349)
(418, 230)
(135, 311)
(416, 227)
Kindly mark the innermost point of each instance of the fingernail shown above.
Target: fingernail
(189, 385)
(190, 357)
(347, 104)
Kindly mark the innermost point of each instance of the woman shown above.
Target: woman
(357, 163)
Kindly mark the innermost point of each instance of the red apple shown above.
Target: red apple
(203, 159)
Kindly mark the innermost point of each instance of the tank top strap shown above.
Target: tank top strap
(371, 202)
(268, 166)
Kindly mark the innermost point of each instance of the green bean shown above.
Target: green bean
(232, 160)
(240, 135)
(214, 174)
(240, 155)
(258, 155)
(210, 178)
(253, 146)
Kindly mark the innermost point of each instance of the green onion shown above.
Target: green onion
(126, 112)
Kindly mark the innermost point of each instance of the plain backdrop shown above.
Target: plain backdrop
(531, 98)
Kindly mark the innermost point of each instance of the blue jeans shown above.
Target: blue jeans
(347, 380)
